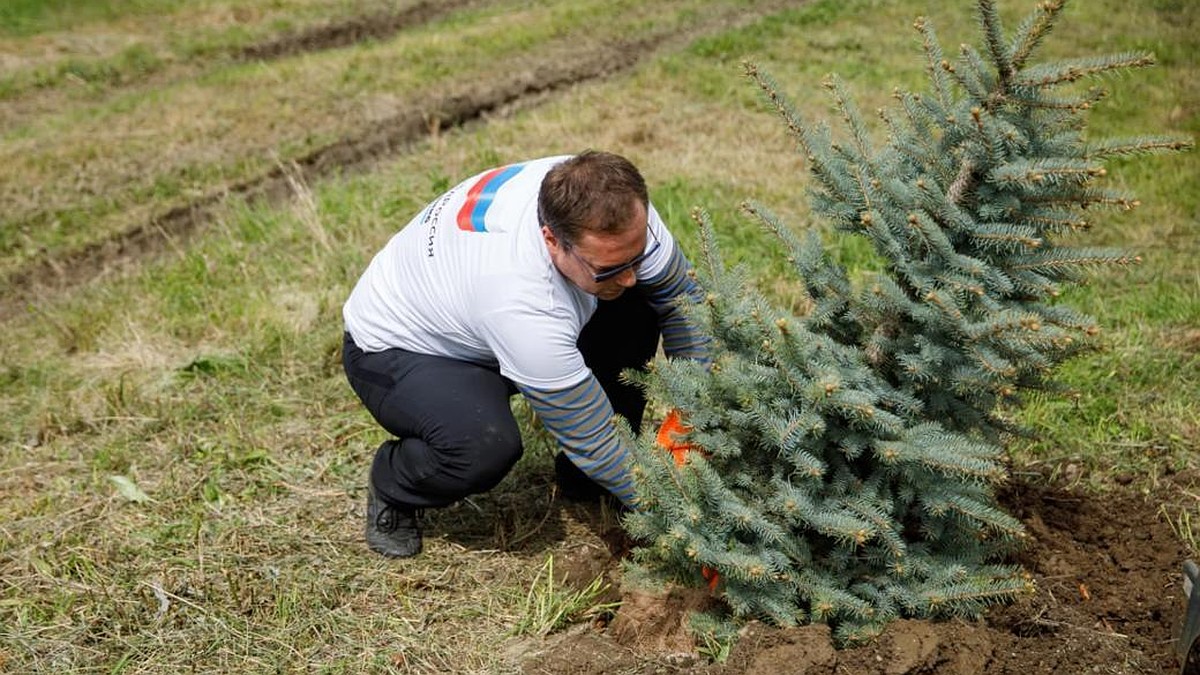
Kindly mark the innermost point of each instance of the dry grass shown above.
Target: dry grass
(248, 555)
(174, 30)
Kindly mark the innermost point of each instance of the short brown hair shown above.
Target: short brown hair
(592, 191)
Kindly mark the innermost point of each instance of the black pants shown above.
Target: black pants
(455, 432)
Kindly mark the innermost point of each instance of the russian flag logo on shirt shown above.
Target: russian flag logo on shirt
(480, 196)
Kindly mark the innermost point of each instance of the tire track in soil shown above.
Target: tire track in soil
(315, 38)
(531, 84)
(351, 31)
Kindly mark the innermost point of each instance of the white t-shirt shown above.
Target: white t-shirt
(470, 278)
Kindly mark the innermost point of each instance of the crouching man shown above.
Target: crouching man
(545, 278)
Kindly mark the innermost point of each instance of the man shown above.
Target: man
(547, 278)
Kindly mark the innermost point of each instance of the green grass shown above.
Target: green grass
(210, 378)
(548, 606)
(26, 17)
(77, 173)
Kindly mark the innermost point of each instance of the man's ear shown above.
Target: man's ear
(549, 237)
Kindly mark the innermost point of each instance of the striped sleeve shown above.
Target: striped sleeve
(681, 337)
(581, 419)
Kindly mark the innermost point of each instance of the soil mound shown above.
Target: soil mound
(1108, 573)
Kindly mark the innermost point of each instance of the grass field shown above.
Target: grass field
(182, 465)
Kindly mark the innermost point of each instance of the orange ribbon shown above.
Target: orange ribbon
(672, 428)
(669, 434)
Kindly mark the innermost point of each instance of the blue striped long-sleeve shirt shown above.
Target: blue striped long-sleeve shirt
(681, 338)
(581, 419)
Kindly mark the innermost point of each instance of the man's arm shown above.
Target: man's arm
(664, 291)
(581, 419)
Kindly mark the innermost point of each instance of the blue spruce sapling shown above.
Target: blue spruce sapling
(845, 462)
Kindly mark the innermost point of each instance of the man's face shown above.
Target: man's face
(596, 253)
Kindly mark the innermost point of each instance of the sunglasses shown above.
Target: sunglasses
(601, 274)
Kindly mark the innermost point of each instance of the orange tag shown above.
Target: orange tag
(672, 428)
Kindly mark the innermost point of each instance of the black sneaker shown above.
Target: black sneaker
(392, 531)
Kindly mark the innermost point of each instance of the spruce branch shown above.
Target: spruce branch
(936, 61)
(1141, 145)
(994, 39)
(782, 105)
(708, 243)
(1004, 238)
(1063, 261)
(852, 119)
(1083, 197)
(976, 77)
(963, 182)
(945, 463)
(1052, 74)
(968, 599)
(984, 514)
(922, 118)
(1044, 171)
(1038, 100)
(1033, 30)
(881, 519)
(816, 147)
(1051, 222)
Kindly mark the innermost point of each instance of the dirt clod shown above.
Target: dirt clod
(659, 622)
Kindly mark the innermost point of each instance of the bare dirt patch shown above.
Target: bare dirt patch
(1108, 574)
